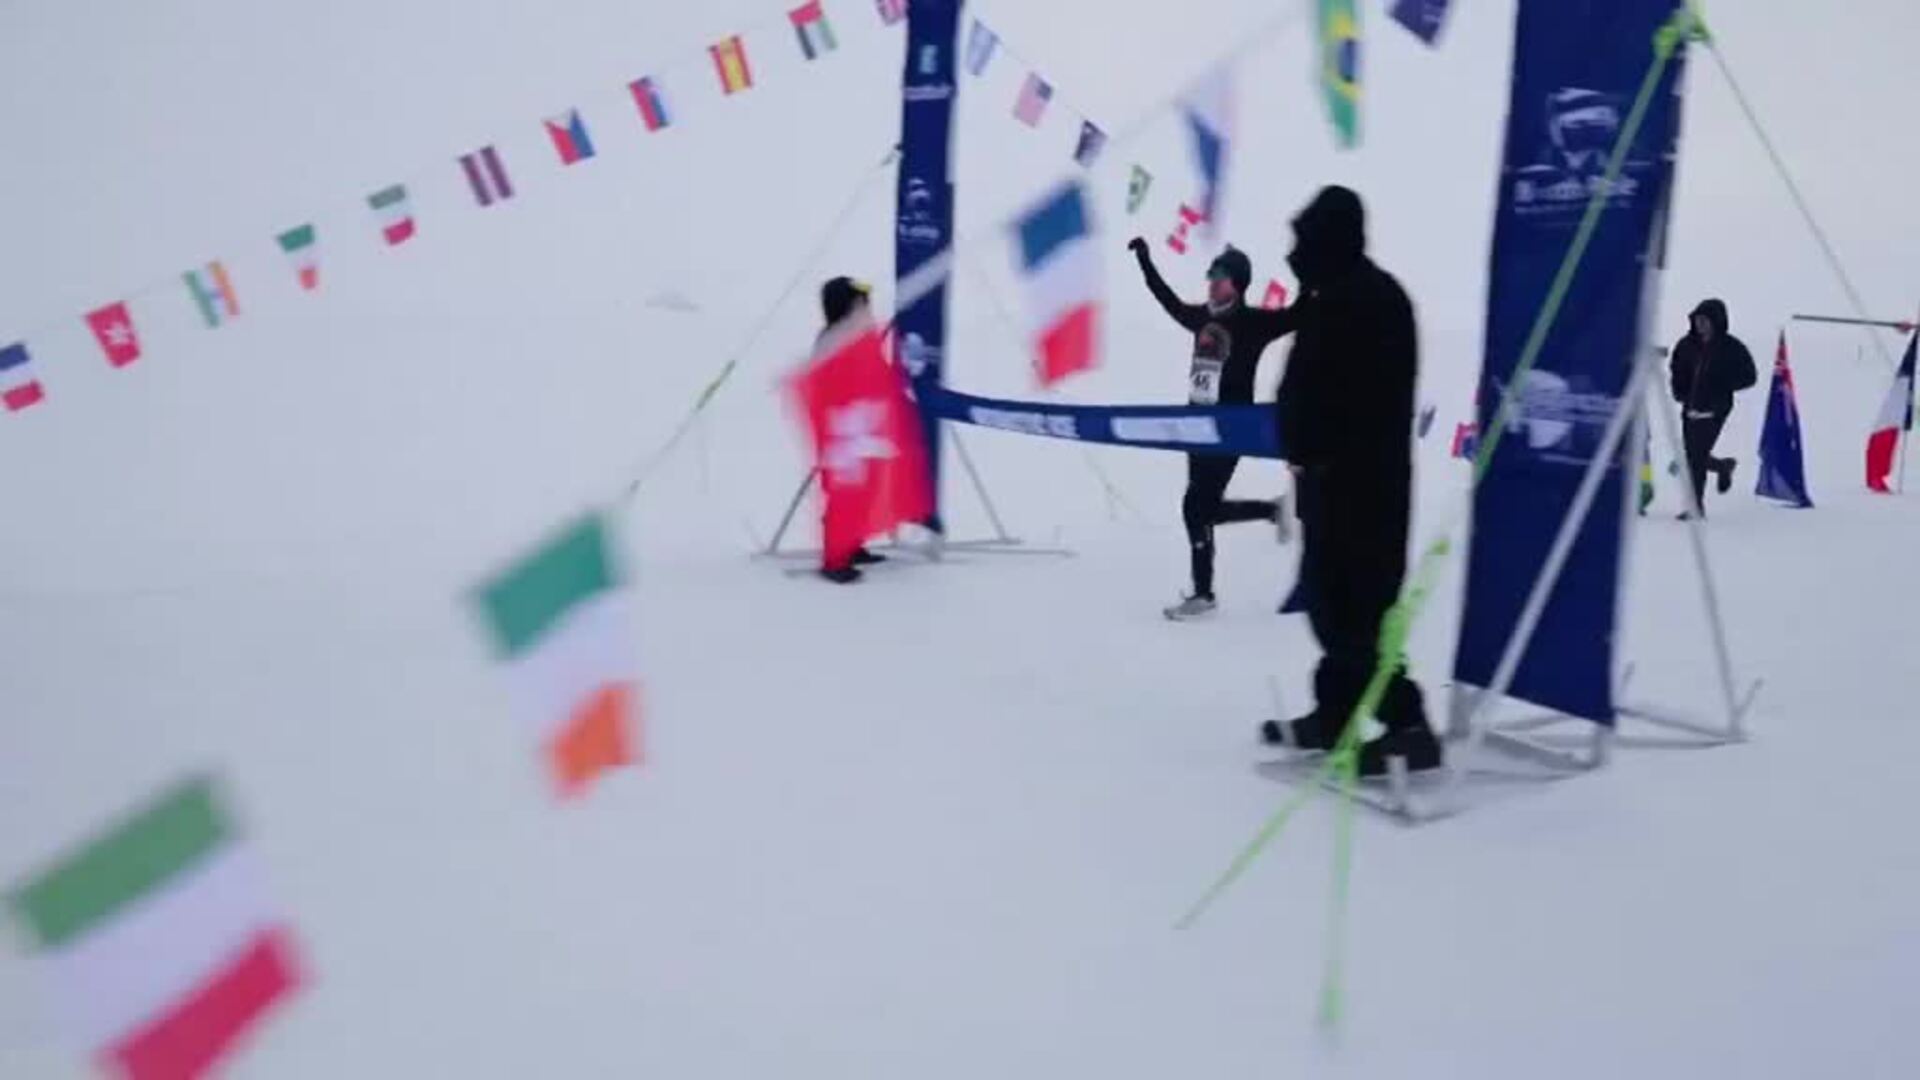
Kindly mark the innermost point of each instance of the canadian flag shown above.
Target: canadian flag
(1896, 418)
(866, 439)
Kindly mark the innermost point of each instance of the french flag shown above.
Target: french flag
(19, 388)
(1896, 418)
(1209, 114)
(1063, 278)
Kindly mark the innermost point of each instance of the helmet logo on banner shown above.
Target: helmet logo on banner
(1571, 164)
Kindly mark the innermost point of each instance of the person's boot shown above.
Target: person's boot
(841, 575)
(1311, 732)
(864, 557)
(1192, 607)
(1417, 745)
(1723, 472)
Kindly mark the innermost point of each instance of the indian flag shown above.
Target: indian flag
(562, 622)
(213, 292)
(159, 938)
(303, 252)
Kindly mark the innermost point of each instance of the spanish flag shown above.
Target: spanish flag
(730, 60)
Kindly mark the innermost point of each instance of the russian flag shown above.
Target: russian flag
(1210, 120)
(1896, 417)
(1063, 278)
(652, 103)
(570, 138)
(19, 388)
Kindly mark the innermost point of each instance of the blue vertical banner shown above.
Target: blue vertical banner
(1578, 67)
(924, 218)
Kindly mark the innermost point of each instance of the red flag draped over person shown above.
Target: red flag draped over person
(866, 440)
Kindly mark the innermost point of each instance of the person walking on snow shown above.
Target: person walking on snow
(1228, 338)
(1708, 367)
(1346, 422)
(841, 299)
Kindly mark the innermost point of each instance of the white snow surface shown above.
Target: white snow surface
(939, 825)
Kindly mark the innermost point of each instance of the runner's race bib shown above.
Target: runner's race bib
(1210, 348)
(1205, 382)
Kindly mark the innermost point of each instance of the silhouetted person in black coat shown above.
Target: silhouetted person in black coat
(1707, 368)
(1346, 426)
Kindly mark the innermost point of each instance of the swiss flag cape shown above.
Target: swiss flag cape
(866, 439)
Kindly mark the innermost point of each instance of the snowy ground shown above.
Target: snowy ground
(940, 825)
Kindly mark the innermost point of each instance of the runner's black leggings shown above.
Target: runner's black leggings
(1700, 433)
(1206, 505)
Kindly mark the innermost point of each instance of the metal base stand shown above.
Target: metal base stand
(935, 547)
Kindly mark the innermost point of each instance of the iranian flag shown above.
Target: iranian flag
(562, 622)
(1896, 419)
(159, 938)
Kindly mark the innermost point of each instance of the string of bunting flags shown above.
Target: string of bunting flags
(214, 293)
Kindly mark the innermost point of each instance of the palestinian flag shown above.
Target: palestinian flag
(212, 292)
(160, 939)
(394, 212)
(562, 621)
(303, 252)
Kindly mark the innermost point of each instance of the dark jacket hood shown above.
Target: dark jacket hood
(1329, 236)
(1716, 313)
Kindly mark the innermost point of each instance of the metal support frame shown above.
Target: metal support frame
(937, 545)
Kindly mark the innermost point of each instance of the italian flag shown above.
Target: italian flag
(159, 938)
(394, 212)
(562, 623)
(304, 253)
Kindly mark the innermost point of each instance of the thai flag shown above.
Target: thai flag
(570, 138)
(1209, 114)
(19, 388)
(1896, 418)
(1063, 276)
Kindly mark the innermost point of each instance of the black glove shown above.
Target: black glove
(1138, 246)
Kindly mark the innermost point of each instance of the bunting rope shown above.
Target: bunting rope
(1342, 764)
(1800, 202)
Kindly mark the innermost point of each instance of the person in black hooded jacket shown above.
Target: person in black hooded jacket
(1228, 338)
(1707, 368)
(1345, 412)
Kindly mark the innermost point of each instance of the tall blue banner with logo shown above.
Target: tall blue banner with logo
(1578, 67)
(924, 219)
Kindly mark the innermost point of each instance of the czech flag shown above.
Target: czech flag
(1063, 277)
(1896, 418)
(570, 138)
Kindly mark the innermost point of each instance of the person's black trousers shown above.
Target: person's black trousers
(1699, 433)
(1206, 505)
(1354, 561)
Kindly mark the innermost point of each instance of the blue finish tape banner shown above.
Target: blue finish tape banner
(923, 225)
(1578, 67)
(1245, 430)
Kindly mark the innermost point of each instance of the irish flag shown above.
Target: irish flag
(1063, 278)
(561, 621)
(159, 938)
(1896, 418)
